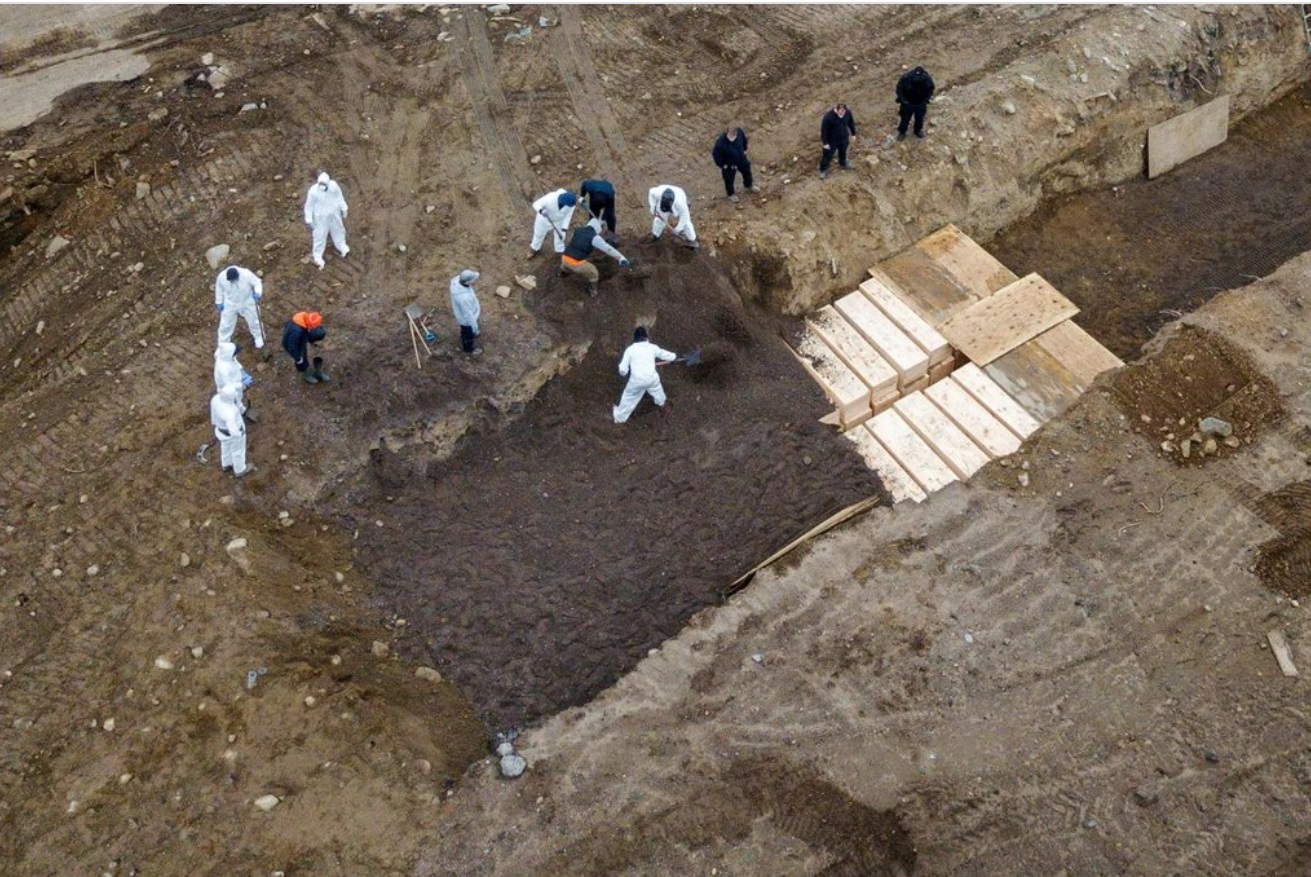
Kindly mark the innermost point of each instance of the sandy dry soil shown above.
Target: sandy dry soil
(1063, 678)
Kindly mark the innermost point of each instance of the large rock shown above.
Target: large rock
(217, 254)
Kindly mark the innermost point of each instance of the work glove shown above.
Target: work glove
(219, 305)
(258, 296)
(246, 379)
(624, 263)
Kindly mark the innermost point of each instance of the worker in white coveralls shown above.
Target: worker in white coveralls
(325, 210)
(553, 213)
(230, 429)
(228, 371)
(237, 291)
(465, 307)
(669, 207)
(639, 366)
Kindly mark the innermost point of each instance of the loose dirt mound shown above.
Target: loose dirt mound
(1284, 563)
(532, 588)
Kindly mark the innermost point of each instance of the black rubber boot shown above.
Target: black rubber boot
(318, 370)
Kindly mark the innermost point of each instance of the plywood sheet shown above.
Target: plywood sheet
(917, 328)
(904, 354)
(844, 389)
(1188, 135)
(1008, 318)
(924, 284)
(974, 419)
(987, 393)
(1078, 351)
(955, 448)
(1036, 380)
(852, 348)
(919, 460)
(897, 481)
(970, 265)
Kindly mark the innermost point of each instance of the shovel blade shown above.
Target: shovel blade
(692, 357)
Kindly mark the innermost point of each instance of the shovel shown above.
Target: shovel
(691, 358)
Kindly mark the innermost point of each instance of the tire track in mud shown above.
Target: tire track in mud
(491, 110)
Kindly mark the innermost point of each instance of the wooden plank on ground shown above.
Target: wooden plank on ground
(924, 284)
(1283, 654)
(1078, 351)
(847, 392)
(1035, 379)
(969, 264)
(898, 483)
(919, 460)
(974, 419)
(917, 328)
(904, 354)
(987, 393)
(852, 348)
(1187, 135)
(1008, 318)
(956, 448)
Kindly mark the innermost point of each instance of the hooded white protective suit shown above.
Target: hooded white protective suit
(639, 366)
(228, 371)
(325, 210)
(239, 297)
(552, 217)
(229, 428)
(464, 301)
(678, 217)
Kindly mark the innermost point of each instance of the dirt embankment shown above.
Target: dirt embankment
(1064, 111)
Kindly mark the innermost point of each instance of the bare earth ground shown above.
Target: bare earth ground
(1098, 719)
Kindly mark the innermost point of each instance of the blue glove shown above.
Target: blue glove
(624, 263)
(257, 296)
(220, 307)
(246, 379)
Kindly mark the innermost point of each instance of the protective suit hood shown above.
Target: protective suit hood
(468, 276)
(324, 179)
(230, 392)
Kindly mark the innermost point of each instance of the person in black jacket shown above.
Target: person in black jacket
(298, 333)
(914, 91)
(599, 196)
(730, 154)
(835, 132)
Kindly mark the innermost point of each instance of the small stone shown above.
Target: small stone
(197, 652)
(163, 663)
(40, 326)
(1145, 418)
(504, 749)
(237, 544)
(380, 649)
(310, 700)
(969, 638)
(277, 177)
(527, 281)
(92, 571)
(1008, 107)
(513, 766)
(499, 9)
(248, 108)
(1233, 442)
(1169, 447)
(1186, 448)
(267, 802)
(1211, 756)
(758, 658)
(339, 577)
(124, 779)
(1215, 426)
(1145, 796)
(429, 674)
(423, 766)
(536, 159)
(1090, 824)
(216, 254)
(1024, 479)
(430, 208)
(157, 114)
(207, 58)
(503, 291)
(805, 458)
(57, 243)
(185, 560)
(1209, 447)
(108, 724)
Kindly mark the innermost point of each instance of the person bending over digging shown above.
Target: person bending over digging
(585, 241)
(302, 330)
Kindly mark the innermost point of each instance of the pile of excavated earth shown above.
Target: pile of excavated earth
(459, 622)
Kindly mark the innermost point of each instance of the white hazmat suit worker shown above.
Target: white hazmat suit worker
(230, 429)
(639, 366)
(552, 214)
(237, 291)
(325, 212)
(467, 310)
(227, 371)
(669, 207)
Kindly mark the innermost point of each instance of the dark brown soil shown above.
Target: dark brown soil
(1198, 374)
(1284, 563)
(1133, 257)
(541, 562)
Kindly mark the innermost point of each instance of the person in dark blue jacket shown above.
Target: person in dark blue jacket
(730, 154)
(302, 330)
(835, 132)
(600, 199)
(914, 91)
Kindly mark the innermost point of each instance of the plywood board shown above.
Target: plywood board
(917, 329)
(955, 448)
(919, 460)
(974, 419)
(924, 284)
(1036, 380)
(1188, 135)
(904, 354)
(987, 393)
(847, 392)
(895, 479)
(1078, 351)
(969, 264)
(1008, 318)
(852, 348)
